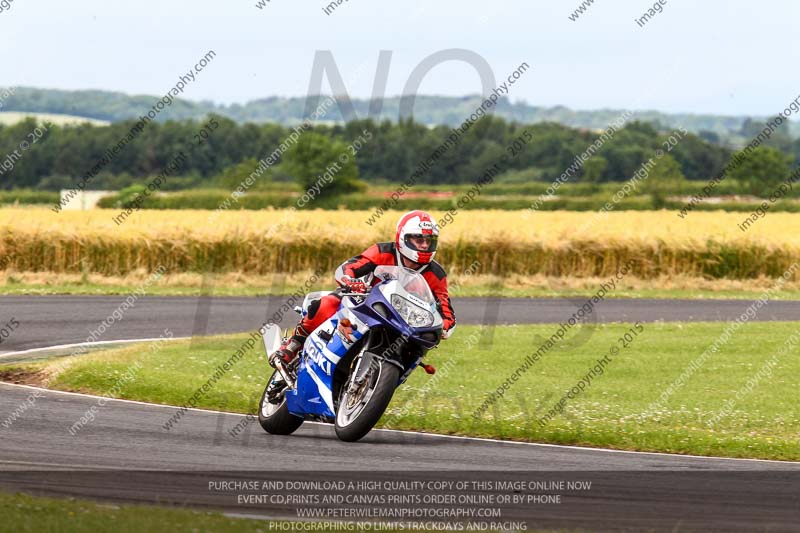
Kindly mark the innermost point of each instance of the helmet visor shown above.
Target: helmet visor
(422, 243)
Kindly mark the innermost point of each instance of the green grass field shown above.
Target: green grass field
(24, 513)
(613, 411)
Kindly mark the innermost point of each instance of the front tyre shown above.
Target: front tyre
(273, 413)
(361, 407)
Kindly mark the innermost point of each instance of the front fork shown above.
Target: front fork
(286, 375)
(366, 360)
(363, 363)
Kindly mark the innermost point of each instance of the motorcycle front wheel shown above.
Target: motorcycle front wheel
(360, 407)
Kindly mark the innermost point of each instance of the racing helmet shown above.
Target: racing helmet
(417, 237)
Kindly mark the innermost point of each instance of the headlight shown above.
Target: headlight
(416, 316)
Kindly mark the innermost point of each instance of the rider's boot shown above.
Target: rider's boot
(287, 353)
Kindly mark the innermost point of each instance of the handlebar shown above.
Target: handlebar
(343, 294)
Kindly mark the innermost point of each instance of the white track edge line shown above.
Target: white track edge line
(460, 437)
(9, 355)
(479, 439)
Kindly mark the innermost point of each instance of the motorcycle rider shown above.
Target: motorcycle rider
(414, 247)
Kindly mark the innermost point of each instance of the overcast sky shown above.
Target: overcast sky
(717, 56)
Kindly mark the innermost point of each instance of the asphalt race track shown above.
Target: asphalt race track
(126, 455)
(663, 492)
(52, 320)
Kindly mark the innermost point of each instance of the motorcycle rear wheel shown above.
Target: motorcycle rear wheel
(273, 413)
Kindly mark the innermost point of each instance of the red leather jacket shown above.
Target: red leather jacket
(385, 253)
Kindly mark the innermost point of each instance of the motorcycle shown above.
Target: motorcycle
(350, 366)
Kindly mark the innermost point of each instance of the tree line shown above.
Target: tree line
(390, 154)
(428, 109)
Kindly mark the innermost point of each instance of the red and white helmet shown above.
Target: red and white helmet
(416, 226)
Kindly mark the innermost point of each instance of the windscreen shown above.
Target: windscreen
(411, 280)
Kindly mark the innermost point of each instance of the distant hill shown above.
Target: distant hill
(115, 106)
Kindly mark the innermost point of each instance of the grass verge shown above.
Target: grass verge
(33, 514)
(235, 284)
(24, 513)
(741, 402)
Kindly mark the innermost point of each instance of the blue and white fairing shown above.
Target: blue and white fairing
(401, 299)
(314, 392)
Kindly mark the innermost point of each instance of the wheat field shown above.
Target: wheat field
(569, 244)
